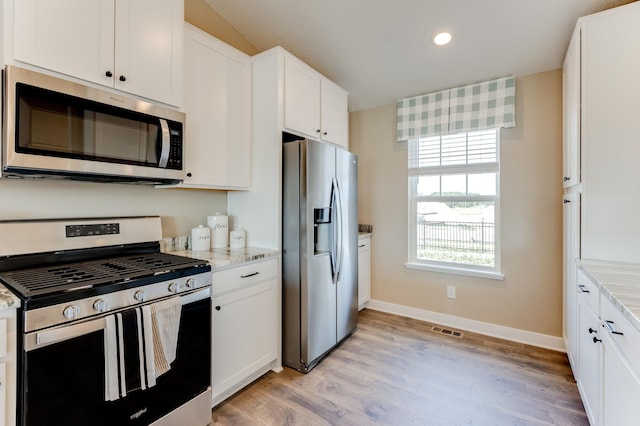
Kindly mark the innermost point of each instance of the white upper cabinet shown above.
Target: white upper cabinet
(217, 101)
(131, 45)
(334, 113)
(571, 112)
(610, 131)
(313, 105)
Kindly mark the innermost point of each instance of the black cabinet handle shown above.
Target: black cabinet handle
(596, 340)
(108, 74)
(189, 174)
(318, 131)
(566, 178)
(249, 275)
(609, 324)
(218, 308)
(566, 201)
(325, 133)
(591, 330)
(583, 289)
(123, 78)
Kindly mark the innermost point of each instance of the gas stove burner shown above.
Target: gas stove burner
(81, 275)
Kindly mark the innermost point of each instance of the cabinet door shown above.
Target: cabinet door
(148, 48)
(217, 101)
(3, 394)
(301, 98)
(571, 112)
(73, 37)
(334, 113)
(571, 252)
(621, 388)
(364, 272)
(610, 129)
(244, 334)
(589, 358)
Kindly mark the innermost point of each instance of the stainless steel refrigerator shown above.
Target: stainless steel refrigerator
(320, 250)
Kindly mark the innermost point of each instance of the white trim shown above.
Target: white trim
(507, 333)
(494, 275)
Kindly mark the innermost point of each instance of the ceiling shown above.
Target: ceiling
(382, 50)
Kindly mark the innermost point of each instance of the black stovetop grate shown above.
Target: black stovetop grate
(80, 275)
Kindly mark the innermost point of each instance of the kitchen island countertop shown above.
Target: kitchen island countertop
(222, 258)
(619, 282)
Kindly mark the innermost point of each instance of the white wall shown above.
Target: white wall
(180, 209)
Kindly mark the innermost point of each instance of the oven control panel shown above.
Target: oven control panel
(105, 304)
(91, 230)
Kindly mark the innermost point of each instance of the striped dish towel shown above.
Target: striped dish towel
(165, 321)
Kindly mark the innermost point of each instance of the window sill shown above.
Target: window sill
(455, 270)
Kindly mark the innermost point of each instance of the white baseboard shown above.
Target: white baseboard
(499, 331)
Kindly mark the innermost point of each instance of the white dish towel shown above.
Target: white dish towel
(165, 322)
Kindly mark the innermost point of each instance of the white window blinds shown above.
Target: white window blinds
(460, 151)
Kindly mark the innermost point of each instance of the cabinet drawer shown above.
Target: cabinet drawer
(364, 244)
(613, 322)
(590, 291)
(241, 276)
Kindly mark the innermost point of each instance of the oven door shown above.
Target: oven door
(63, 374)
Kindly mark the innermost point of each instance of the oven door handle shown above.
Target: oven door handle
(40, 339)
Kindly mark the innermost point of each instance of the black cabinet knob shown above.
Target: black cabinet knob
(591, 330)
(189, 174)
(596, 340)
(566, 178)
(123, 78)
(108, 74)
(218, 308)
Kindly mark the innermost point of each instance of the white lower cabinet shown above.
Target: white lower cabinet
(8, 361)
(621, 386)
(589, 356)
(245, 326)
(608, 368)
(364, 270)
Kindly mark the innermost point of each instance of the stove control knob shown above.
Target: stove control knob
(140, 295)
(191, 283)
(174, 288)
(100, 306)
(71, 312)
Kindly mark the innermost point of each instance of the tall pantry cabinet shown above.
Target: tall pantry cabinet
(601, 180)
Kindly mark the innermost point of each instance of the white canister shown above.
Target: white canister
(200, 238)
(219, 224)
(237, 239)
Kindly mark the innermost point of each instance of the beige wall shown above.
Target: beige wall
(200, 14)
(530, 297)
(180, 209)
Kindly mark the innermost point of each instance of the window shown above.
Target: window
(454, 201)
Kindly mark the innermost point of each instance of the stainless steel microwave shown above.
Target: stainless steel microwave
(61, 129)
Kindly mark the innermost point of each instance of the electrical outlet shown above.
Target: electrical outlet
(451, 292)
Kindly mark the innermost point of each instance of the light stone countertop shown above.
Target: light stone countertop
(226, 257)
(7, 299)
(619, 282)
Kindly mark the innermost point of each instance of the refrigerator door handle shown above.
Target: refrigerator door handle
(339, 241)
(334, 244)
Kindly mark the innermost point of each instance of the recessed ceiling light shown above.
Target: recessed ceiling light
(442, 39)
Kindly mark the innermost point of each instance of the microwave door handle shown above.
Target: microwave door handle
(166, 143)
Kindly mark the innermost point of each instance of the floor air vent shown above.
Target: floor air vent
(448, 332)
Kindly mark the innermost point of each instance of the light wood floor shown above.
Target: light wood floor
(396, 371)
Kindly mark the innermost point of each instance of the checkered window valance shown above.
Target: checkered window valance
(480, 106)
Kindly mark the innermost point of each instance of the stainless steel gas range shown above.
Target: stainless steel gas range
(111, 331)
